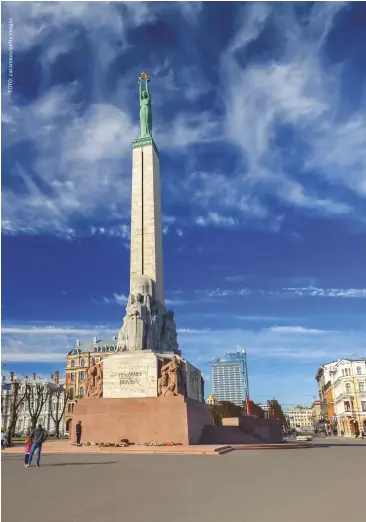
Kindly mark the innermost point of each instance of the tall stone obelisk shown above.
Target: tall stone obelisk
(147, 324)
(146, 226)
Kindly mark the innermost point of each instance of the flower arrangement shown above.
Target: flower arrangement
(163, 443)
(122, 444)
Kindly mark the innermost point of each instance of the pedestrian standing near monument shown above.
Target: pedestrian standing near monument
(37, 437)
(79, 429)
(27, 450)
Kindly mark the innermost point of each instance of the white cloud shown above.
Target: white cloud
(46, 330)
(39, 357)
(313, 291)
(179, 232)
(298, 330)
(314, 348)
(47, 343)
(298, 92)
(120, 299)
(224, 293)
(79, 161)
(213, 218)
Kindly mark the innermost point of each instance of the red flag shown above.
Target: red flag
(248, 405)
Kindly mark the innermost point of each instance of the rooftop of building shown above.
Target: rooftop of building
(93, 346)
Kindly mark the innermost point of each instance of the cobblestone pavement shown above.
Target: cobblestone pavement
(275, 485)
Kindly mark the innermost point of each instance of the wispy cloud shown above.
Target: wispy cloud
(213, 218)
(295, 91)
(312, 291)
(298, 330)
(46, 330)
(47, 343)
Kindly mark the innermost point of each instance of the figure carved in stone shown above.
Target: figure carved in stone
(169, 334)
(145, 107)
(137, 323)
(170, 381)
(147, 325)
(98, 392)
(94, 381)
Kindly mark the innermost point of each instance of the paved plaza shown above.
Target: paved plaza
(275, 485)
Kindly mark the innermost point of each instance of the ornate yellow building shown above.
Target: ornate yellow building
(77, 363)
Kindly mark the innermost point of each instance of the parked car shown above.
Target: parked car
(304, 436)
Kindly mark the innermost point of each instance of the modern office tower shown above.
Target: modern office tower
(230, 378)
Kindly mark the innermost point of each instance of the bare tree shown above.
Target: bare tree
(36, 396)
(61, 395)
(16, 399)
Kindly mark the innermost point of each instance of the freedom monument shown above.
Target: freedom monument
(146, 391)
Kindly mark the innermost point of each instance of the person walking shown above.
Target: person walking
(37, 437)
(27, 449)
(79, 429)
(3, 437)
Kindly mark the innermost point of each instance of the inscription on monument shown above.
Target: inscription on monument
(129, 375)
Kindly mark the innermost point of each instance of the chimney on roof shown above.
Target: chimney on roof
(34, 376)
(95, 339)
(11, 376)
(114, 338)
(77, 343)
(57, 376)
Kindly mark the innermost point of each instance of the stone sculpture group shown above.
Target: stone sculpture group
(170, 382)
(94, 381)
(147, 324)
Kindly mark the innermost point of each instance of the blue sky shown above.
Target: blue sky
(259, 116)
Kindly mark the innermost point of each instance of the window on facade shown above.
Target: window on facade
(71, 393)
(72, 377)
(361, 386)
(72, 363)
(348, 388)
(363, 405)
(82, 376)
(359, 371)
(81, 391)
(82, 362)
(347, 406)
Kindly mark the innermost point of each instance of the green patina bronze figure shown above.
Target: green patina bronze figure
(145, 107)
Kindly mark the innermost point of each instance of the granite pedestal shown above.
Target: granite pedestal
(141, 420)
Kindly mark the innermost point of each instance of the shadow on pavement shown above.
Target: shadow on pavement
(338, 445)
(76, 464)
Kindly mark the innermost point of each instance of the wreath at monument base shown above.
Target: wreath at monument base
(163, 444)
(122, 444)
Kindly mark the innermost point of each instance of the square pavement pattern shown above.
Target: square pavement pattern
(322, 483)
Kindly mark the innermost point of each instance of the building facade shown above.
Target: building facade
(301, 418)
(348, 398)
(24, 420)
(229, 376)
(77, 363)
(323, 378)
(315, 413)
(265, 408)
